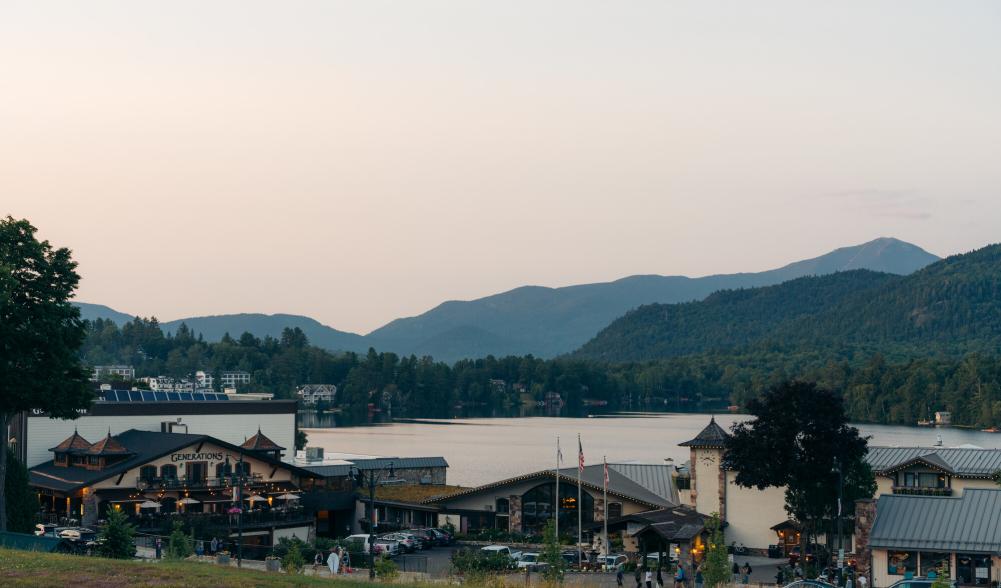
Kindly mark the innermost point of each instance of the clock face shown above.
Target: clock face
(708, 459)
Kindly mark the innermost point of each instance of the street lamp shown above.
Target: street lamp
(358, 477)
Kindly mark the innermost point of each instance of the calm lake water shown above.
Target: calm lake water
(485, 450)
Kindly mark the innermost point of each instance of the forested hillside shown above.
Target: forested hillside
(951, 307)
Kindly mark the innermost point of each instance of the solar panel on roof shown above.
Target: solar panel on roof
(185, 395)
(198, 396)
(135, 396)
(173, 397)
(148, 396)
(160, 396)
(222, 396)
(210, 396)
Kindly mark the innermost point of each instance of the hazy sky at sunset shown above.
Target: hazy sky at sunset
(360, 161)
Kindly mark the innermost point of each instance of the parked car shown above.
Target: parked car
(390, 547)
(77, 534)
(442, 538)
(449, 536)
(918, 583)
(364, 542)
(409, 543)
(504, 549)
(531, 562)
(426, 537)
(612, 562)
(809, 584)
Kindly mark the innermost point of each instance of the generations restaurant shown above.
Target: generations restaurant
(157, 477)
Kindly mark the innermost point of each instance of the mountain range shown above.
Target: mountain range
(950, 307)
(537, 320)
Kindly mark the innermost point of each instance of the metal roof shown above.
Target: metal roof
(379, 463)
(654, 477)
(969, 523)
(963, 462)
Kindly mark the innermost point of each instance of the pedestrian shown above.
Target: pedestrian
(735, 570)
(317, 561)
(214, 545)
(660, 578)
(199, 548)
(618, 576)
(333, 562)
(639, 576)
(699, 579)
(848, 581)
(862, 582)
(745, 573)
(648, 577)
(679, 576)
(346, 563)
(780, 576)
(159, 548)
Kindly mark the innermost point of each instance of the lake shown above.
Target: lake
(490, 449)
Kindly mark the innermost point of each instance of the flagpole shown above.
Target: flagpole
(556, 515)
(604, 500)
(580, 509)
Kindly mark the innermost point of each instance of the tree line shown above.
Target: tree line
(873, 388)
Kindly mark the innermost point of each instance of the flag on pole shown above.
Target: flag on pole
(559, 454)
(580, 456)
(606, 473)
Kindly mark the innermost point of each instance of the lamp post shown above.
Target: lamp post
(239, 515)
(359, 480)
(841, 545)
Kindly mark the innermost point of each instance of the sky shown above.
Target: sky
(361, 161)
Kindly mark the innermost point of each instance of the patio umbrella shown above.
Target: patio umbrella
(256, 498)
(150, 504)
(234, 510)
(187, 500)
(288, 496)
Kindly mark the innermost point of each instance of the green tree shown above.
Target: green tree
(716, 566)
(179, 544)
(301, 439)
(552, 555)
(799, 438)
(40, 331)
(386, 569)
(21, 501)
(117, 537)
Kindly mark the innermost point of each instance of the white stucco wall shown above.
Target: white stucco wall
(751, 513)
(706, 465)
(45, 433)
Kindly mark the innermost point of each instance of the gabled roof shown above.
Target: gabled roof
(147, 446)
(260, 442)
(108, 446)
(968, 523)
(619, 485)
(680, 523)
(376, 463)
(960, 462)
(713, 437)
(72, 444)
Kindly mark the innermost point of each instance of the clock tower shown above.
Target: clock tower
(708, 479)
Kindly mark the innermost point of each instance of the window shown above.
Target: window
(932, 561)
(973, 569)
(242, 468)
(537, 507)
(147, 473)
(923, 480)
(503, 506)
(168, 471)
(614, 509)
(223, 469)
(899, 563)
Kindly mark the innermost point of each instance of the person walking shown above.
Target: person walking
(848, 581)
(618, 576)
(214, 545)
(159, 548)
(862, 581)
(648, 577)
(679, 576)
(735, 570)
(745, 573)
(639, 576)
(317, 561)
(699, 579)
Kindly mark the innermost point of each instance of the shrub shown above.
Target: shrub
(385, 568)
(293, 563)
(179, 544)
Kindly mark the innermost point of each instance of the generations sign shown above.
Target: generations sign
(200, 456)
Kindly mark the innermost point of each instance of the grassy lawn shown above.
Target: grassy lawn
(25, 568)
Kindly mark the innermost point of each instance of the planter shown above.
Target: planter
(273, 565)
(222, 559)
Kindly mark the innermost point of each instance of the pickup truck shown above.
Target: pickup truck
(504, 549)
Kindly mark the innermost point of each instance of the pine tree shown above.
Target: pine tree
(21, 503)
(716, 567)
(117, 537)
(179, 544)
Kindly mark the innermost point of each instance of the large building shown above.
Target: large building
(234, 379)
(223, 416)
(315, 393)
(917, 534)
(155, 477)
(757, 518)
(103, 372)
(525, 503)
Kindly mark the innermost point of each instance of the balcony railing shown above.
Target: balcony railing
(922, 491)
(194, 482)
(261, 518)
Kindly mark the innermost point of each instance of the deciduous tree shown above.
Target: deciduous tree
(40, 333)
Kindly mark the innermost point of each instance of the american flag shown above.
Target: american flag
(606, 474)
(580, 455)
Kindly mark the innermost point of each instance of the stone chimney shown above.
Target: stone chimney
(865, 517)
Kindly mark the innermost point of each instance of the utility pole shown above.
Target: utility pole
(841, 545)
(239, 515)
(371, 526)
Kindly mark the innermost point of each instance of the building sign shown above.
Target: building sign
(200, 456)
(37, 412)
